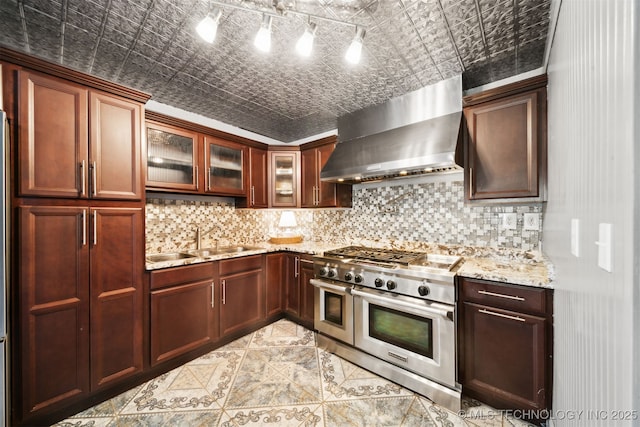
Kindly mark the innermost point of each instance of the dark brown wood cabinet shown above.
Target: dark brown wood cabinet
(183, 310)
(306, 291)
(505, 344)
(80, 302)
(299, 294)
(90, 147)
(173, 158)
(258, 182)
(314, 192)
(242, 295)
(505, 142)
(225, 165)
(275, 277)
(284, 178)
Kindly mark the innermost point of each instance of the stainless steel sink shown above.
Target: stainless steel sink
(209, 252)
(229, 249)
(172, 256)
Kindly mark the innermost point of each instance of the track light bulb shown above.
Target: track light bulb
(208, 27)
(263, 39)
(355, 49)
(305, 42)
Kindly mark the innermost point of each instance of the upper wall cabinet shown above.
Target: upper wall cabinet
(316, 193)
(257, 189)
(75, 142)
(172, 157)
(505, 150)
(284, 179)
(225, 165)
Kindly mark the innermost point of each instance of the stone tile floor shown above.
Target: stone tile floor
(277, 376)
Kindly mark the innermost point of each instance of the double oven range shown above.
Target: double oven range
(391, 312)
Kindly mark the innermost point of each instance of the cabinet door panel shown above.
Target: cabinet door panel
(242, 301)
(54, 315)
(225, 164)
(172, 158)
(116, 293)
(53, 137)
(115, 148)
(275, 277)
(307, 291)
(504, 357)
(292, 290)
(503, 148)
(258, 191)
(308, 178)
(181, 320)
(327, 191)
(284, 179)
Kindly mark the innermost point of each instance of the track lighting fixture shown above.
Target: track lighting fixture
(282, 9)
(263, 39)
(305, 42)
(355, 49)
(208, 27)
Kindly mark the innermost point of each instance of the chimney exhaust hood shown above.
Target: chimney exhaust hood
(416, 133)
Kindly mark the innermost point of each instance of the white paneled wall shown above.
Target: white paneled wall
(593, 104)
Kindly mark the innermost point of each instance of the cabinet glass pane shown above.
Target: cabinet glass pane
(226, 167)
(169, 157)
(283, 179)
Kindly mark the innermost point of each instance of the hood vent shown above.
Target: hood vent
(416, 133)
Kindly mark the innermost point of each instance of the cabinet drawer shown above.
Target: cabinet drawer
(510, 297)
(179, 275)
(237, 265)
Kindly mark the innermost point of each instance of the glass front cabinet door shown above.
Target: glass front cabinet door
(284, 178)
(172, 158)
(224, 166)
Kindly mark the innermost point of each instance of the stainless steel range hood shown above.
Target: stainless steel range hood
(416, 133)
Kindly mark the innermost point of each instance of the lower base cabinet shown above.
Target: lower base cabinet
(505, 344)
(80, 328)
(299, 292)
(242, 294)
(183, 310)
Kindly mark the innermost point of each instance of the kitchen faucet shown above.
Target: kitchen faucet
(199, 235)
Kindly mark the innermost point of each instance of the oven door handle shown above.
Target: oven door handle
(320, 284)
(444, 313)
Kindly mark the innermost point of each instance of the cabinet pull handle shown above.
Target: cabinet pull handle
(470, 183)
(505, 316)
(83, 188)
(94, 177)
(317, 195)
(296, 267)
(224, 291)
(253, 195)
(213, 302)
(84, 227)
(95, 228)
(493, 294)
(197, 180)
(207, 179)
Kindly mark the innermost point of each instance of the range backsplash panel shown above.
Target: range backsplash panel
(394, 212)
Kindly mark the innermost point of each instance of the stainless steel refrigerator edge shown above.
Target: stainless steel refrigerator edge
(4, 266)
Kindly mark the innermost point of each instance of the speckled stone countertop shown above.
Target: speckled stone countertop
(499, 264)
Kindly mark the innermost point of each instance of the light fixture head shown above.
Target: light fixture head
(305, 42)
(263, 39)
(355, 49)
(208, 27)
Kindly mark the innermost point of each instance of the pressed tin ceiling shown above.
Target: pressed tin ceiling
(151, 45)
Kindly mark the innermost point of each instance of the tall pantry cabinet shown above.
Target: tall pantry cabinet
(78, 211)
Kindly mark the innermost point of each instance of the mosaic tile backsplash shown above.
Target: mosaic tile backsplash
(393, 212)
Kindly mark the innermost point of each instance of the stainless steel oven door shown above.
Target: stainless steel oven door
(415, 334)
(333, 310)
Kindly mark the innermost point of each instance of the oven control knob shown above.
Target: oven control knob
(348, 276)
(324, 271)
(332, 273)
(391, 285)
(378, 282)
(423, 290)
(358, 278)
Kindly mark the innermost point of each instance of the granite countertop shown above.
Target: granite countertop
(526, 268)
